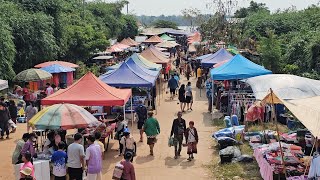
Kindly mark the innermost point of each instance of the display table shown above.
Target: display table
(41, 170)
(266, 170)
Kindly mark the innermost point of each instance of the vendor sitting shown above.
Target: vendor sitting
(48, 144)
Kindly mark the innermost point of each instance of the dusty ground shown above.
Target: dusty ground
(162, 166)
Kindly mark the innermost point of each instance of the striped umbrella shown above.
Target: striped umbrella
(65, 116)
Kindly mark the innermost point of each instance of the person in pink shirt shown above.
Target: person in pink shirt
(49, 89)
(128, 169)
(27, 168)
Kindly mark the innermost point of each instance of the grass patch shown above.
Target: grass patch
(269, 126)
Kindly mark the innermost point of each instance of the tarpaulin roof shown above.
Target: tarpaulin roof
(153, 39)
(217, 57)
(166, 38)
(153, 55)
(220, 63)
(89, 91)
(161, 49)
(129, 42)
(203, 56)
(3, 84)
(286, 86)
(137, 68)
(167, 44)
(56, 68)
(145, 63)
(176, 32)
(117, 47)
(62, 63)
(127, 76)
(238, 67)
(195, 37)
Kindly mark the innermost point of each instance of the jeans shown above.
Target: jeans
(177, 142)
(4, 128)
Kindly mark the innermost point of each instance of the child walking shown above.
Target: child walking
(59, 160)
(192, 139)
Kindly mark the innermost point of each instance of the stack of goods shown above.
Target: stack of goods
(258, 138)
(269, 159)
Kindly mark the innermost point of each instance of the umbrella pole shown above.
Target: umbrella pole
(131, 111)
(277, 129)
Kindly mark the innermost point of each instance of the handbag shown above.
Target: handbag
(170, 141)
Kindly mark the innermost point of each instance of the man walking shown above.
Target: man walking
(94, 160)
(209, 94)
(177, 131)
(141, 112)
(152, 130)
(172, 85)
(76, 158)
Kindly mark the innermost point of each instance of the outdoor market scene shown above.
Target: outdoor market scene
(129, 90)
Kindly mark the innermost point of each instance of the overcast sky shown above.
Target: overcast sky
(174, 7)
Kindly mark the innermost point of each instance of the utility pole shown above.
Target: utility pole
(127, 7)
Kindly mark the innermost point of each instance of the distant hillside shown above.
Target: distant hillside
(148, 20)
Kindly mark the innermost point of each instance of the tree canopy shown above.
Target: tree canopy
(253, 8)
(34, 31)
(165, 24)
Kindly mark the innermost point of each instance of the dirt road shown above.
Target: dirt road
(161, 166)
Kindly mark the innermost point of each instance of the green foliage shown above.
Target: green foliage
(165, 24)
(83, 69)
(34, 31)
(295, 46)
(253, 8)
(270, 51)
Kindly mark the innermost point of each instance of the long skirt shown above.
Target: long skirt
(192, 148)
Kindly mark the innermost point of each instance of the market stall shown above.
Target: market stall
(153, 40)
(60, 74)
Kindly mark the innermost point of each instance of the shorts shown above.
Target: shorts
(60, 178)
(151, 141)
(172, 91)
(140, 125)
(75, 173)
(188, 99)
(192, 148)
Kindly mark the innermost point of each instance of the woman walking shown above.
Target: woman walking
(152, 129)
(182, 97)
(192, 139)
(189, 96)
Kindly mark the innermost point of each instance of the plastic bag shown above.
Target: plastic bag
(118, 171)
(170, 141)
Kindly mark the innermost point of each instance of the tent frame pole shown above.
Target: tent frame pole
(132, 118)
(277, 129)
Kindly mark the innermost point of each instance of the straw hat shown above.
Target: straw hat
(26, 171)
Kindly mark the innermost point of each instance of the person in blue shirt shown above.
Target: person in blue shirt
(59, 160)
(209, 94)
(172, 85)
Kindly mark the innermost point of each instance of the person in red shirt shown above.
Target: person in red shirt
(128, 169)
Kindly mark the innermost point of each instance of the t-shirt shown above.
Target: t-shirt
(59, 159)
(141, 112)
(28, 165)
(75, 151)
(199, 72)
(188, 91)
(128, 143)
(94, 159)
(49, 91)
(30, 112)
(97, 142)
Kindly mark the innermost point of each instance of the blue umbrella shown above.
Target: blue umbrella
(56, 68)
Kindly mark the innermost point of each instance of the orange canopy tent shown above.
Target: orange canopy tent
(154, 39)
(132, 41)
(196, 37)
(129, 42)
(154, 55)
(117, 47)
(61, 63)
(89, 91)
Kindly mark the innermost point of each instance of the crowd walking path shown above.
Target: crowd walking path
(161, 166)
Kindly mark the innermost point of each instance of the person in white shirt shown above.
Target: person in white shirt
(192, 139)
(49, 89)
(129, 144)
(76, 157)
(189, 96)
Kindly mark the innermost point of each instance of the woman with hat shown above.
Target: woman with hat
(152, 129)
(128, 143)
(27, 170)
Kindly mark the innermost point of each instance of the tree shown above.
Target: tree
(129, 27)
(165, 24)
(192, 15)
(253, 8)
(270, 51)
(7, 52)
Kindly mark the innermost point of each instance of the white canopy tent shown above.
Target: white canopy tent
(307, 110)
(285, 86)
(3, 85)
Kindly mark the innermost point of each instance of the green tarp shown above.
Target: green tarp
(166, 38)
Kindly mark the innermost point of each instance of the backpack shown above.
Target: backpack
(118, 171)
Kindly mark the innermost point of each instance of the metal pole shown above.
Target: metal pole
(131, 111)
(124, 111)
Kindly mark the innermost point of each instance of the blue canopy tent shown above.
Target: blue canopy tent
(56, 68)
(116, 66)
(126, 76)
(238, 67)
(203, 56)
(134, 66)
(215, 58)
